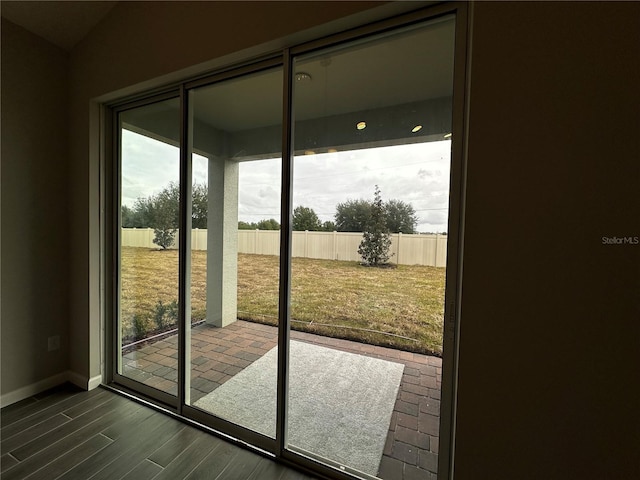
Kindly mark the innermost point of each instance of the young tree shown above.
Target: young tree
(353, 215)
(305, 218)
(401, 217)
(376, 241)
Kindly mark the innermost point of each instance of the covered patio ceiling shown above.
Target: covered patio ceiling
(384, 85)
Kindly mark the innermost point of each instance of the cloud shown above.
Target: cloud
(148, 166)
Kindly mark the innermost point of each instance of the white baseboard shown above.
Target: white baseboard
(84, 382)
(94, 382)
(33, 389)
(38, 387)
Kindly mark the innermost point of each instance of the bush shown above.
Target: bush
(164, 237)
(140, 328)
(165, 316)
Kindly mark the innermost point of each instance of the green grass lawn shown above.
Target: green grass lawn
(399, 307)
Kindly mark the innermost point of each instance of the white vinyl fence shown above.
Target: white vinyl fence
(407, 249)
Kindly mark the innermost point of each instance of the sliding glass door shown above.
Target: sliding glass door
(147, 280)
(372, 123)
(282, 241)
(235, 164)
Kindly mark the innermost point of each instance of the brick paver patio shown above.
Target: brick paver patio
(217, 354)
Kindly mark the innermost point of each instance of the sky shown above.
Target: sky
(415, 173)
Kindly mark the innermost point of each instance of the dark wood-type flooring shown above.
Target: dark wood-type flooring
(67, 433)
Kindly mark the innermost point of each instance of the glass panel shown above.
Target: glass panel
(148, 277)
(370, 196)
(236, 136)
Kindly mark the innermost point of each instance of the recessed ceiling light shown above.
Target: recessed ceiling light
(332, 150)
(417, 128)
(303, 77)
(309, 152)
(448, 135)
(361, 125)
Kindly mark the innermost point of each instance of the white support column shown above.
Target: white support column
(222, 243)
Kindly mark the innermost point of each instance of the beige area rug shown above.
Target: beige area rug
(340, 403)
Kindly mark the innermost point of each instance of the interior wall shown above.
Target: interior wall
(35, 253)
(549, 335)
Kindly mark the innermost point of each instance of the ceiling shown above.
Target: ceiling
(62, 23)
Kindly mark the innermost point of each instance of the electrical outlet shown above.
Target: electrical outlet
(54, 343)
